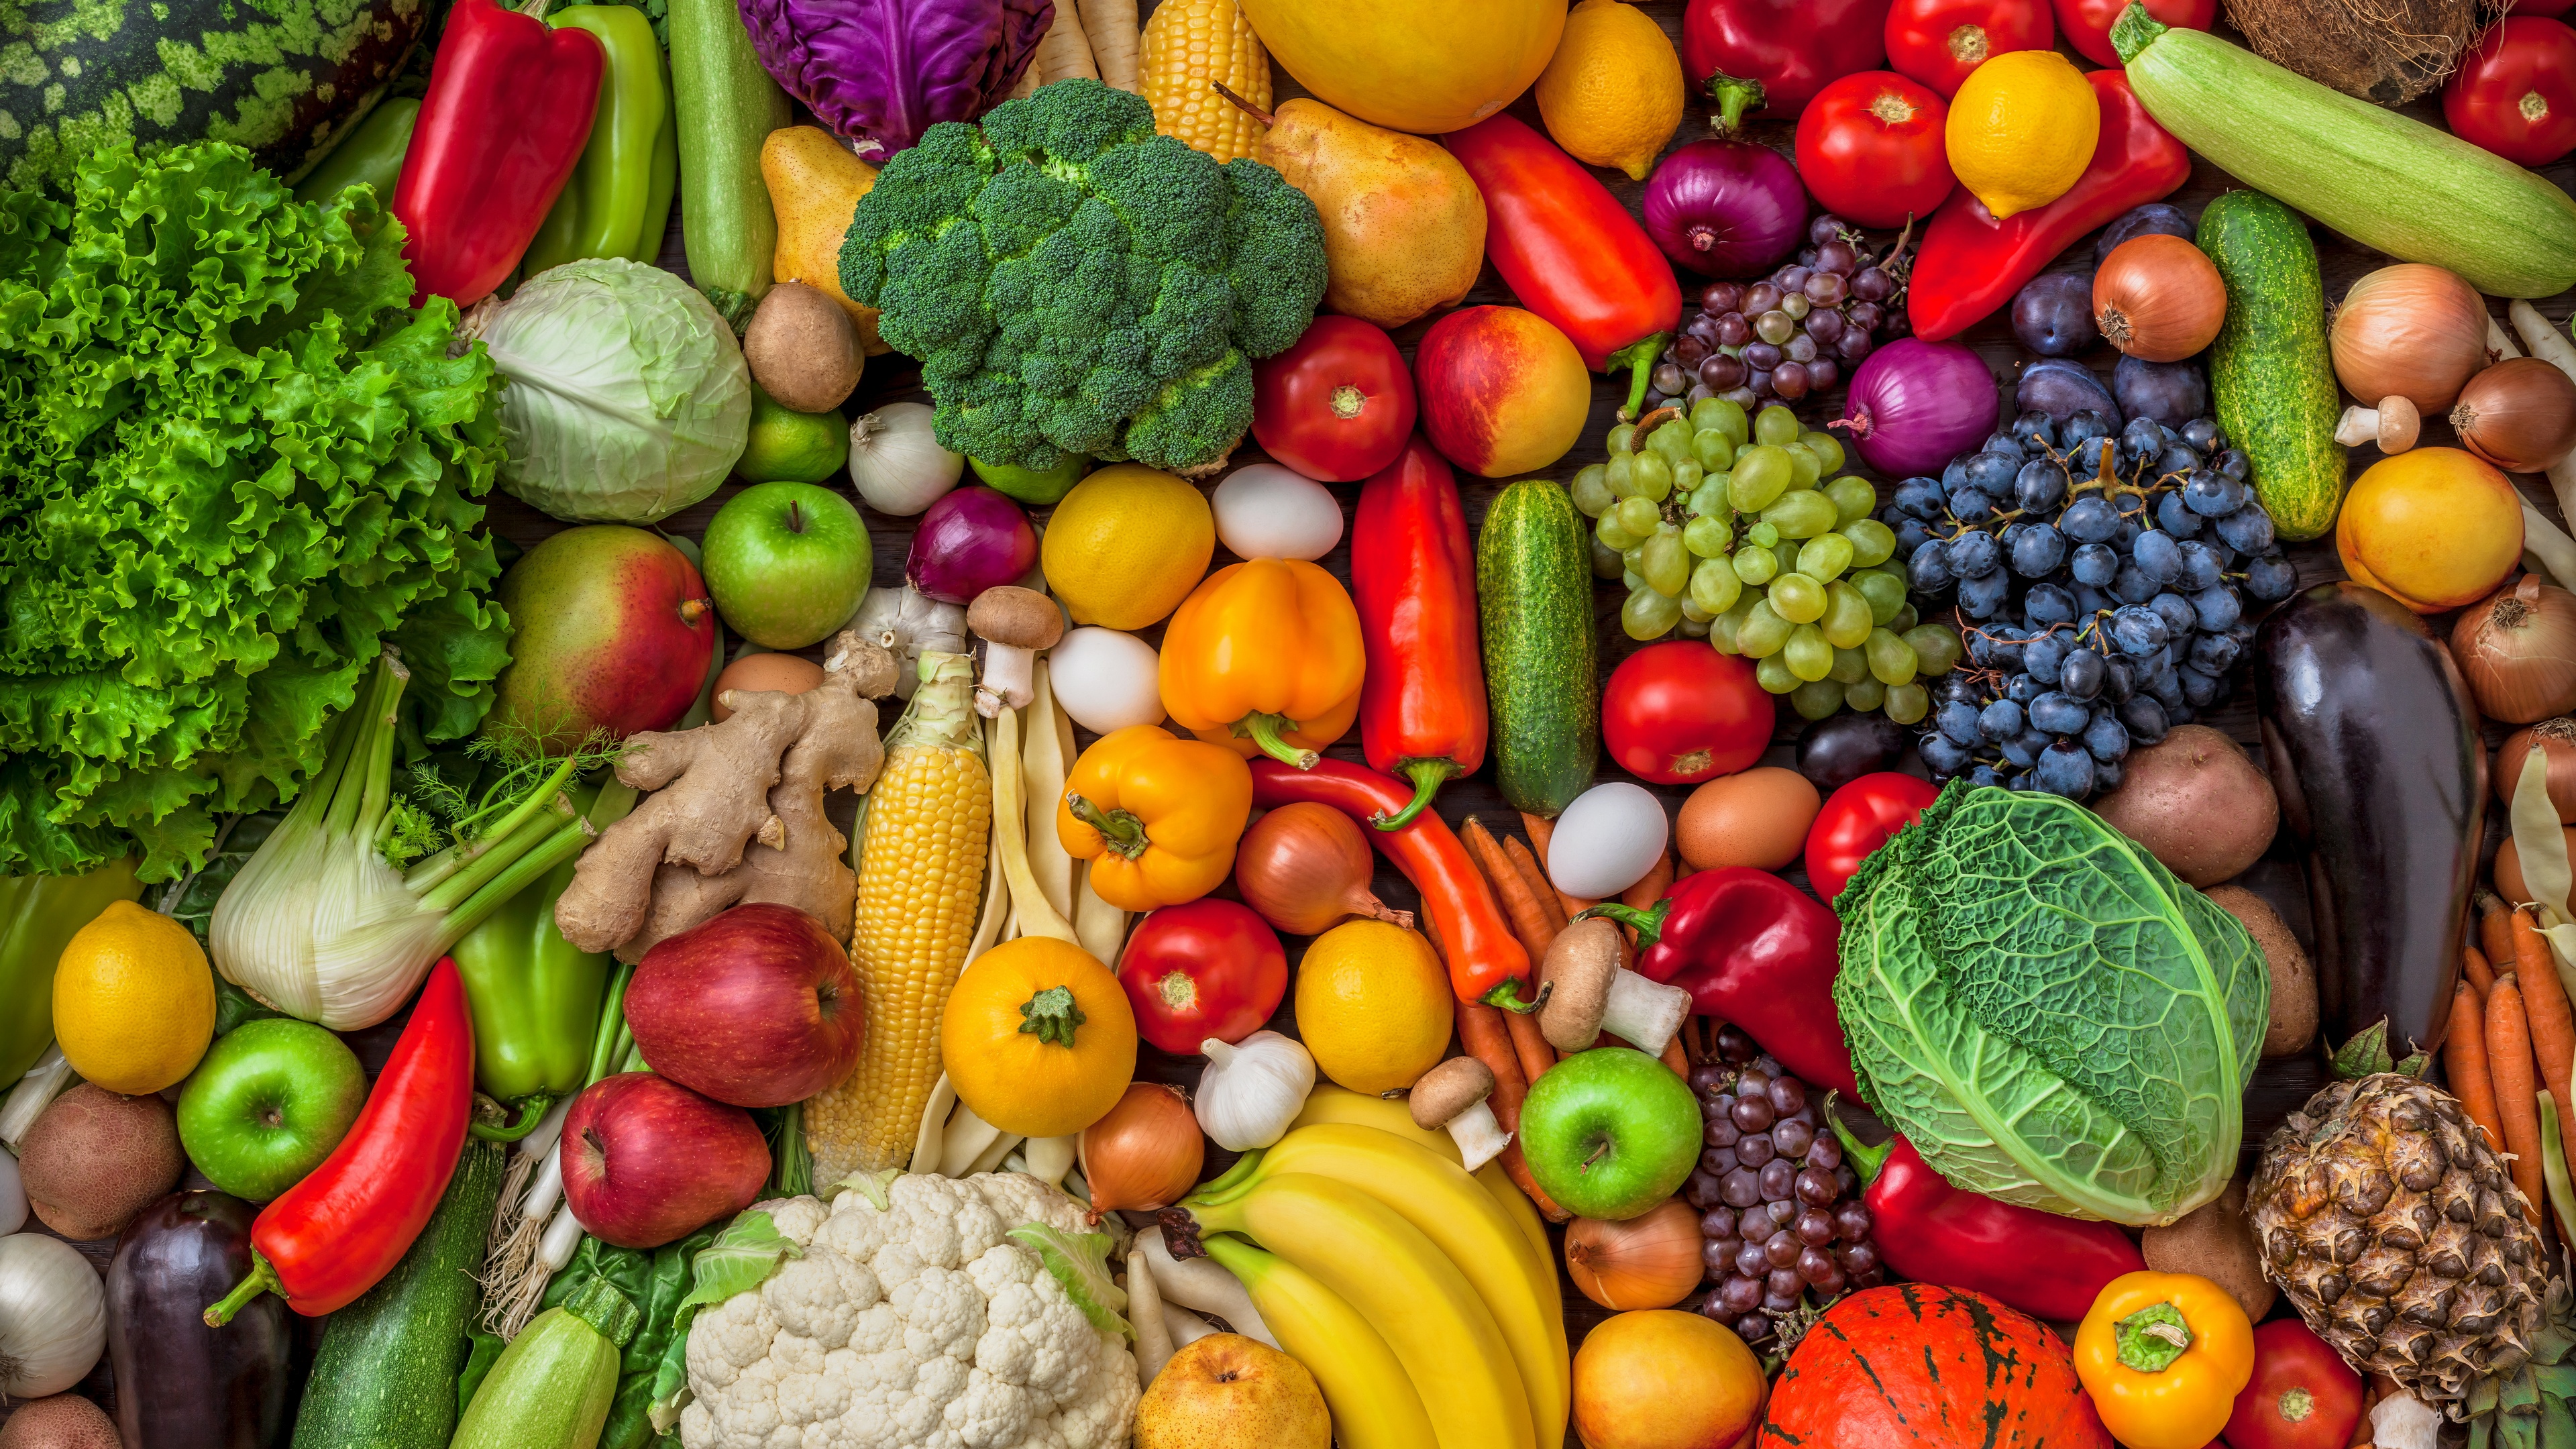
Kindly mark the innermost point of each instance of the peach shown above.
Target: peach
(2433, 528)
(1502, 392)
(1664, 1379)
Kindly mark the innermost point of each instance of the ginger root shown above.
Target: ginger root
(736, 814)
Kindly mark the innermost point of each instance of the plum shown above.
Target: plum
(2053, 315)
(2154, 218)
(2172, 393)
(2061, 389)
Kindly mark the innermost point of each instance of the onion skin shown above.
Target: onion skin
(1649, 1261)
(971, 540)
(1304, 866)
(2556, 738)
(1145, 1153)
(2519, 415)
(2415, 331)
(1726, 208)
(1915, 405)
(2517, 649)
(2159, 298)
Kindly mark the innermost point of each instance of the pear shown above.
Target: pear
(1404, 227)
(815, 184)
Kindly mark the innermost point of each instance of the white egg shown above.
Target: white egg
(1106, 680)
(1607, 840)
(13, 1196)
(1266, 511)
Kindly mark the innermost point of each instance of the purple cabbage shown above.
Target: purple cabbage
(881, 72)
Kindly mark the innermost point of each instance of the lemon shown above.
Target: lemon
(787, 446)
(1612, 93)
(2022, 130)
(1373, 1006)
(1127, 545)
(134, 1002)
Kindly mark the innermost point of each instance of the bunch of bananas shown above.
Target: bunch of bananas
(1422, 1298)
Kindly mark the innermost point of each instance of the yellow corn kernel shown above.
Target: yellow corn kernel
(1189, 43)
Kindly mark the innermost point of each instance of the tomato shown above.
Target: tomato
(2087, 23)
(1939, 41)
(1870, 149)
(1210, 968)
(2302, 1395)
(2516, 93)
(1680, 712)
(1857, 819)
(1337, 405)
(2540, 7)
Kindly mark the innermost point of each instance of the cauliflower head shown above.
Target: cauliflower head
(918, 1326)
(1074, 283)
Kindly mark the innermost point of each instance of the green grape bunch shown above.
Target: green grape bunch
(1737, 531)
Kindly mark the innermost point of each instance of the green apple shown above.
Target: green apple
(787, 563)
(267, 1104)
(1033, 488)
(1610, 1132)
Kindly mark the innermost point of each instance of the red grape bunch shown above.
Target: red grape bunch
(1799, 331)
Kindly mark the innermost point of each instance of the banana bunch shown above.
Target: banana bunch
(1422, 1298)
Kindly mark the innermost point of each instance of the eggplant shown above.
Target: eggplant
(2374, 748)
(180, 1384)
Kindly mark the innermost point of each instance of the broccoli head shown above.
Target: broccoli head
(1074, 283)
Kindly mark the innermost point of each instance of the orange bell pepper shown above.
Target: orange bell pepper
(1265, 656)
(2164, 1356)
(1157, 817)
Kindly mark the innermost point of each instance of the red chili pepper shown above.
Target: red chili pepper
(1413, 578)
(1770, 57)
(1970, 264)
(1338, 404)
(330, 1237)
(1857, 819)
(508, 112)
(1938, 42)
(2087, 23)
(1569, 251)
(1755, 950)
(1486, 961)
(1208, 968)
(2516, 93)
(1925, 1229)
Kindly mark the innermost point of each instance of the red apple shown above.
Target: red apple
(614, 632)
(1500, 391)
(756, 1006)
(647, 1161)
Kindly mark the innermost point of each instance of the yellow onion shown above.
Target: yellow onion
(1649, 1261)
(2556, 740)
(2517, 649)
(2519, 415)
(2413, 331)
(1145, 1153)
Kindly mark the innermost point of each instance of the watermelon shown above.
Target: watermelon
(284, 78)
(1915, 1366)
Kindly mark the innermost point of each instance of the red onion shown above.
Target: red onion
(970, 540)
(1915, 405)
(1726, 208)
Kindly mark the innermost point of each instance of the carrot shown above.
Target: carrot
(1536, 1055)
(1063, 53)
(1481, 1033)
(1676, 1058)
(2475, 970)
(1111, 24)
(2495, 929)
(2544, 996)
(1648, 889)
(1520, 903)
(2509, 1062)
(1541, 830)
(2464, 1061)
(1527, 864)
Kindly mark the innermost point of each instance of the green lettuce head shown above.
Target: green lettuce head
(2046, 1012)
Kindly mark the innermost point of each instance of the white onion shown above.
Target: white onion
(1607, 840)
(895, 462)
(53, 1316)
(1106, 680)
(13, 1197)
(1266, 511)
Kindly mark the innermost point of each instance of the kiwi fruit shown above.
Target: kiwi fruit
(803, 349)
(2215, 1241)
(59, 1421)
(2294, 979)
(95, 1159)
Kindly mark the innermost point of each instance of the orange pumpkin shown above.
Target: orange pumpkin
(1914, 1364)
(1038, 1037)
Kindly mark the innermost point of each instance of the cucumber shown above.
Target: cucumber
(1534, 599)
(2383, 179)
(385, 1375)
(2269, 374)
(726, 105)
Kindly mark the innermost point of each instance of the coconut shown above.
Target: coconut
(2385, 51)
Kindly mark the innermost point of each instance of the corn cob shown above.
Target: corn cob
(921, 857)
(1187, 45)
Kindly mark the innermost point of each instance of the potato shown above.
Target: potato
(63, 1421)
(2196, 803)
(802, 349)
(2294, 978)
(95, 1159)
(2214, 1241)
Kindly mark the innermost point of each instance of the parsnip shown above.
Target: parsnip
(1043, 762)
(1064, 52)
(1145, 1311)
(1115, 40)
(2547, 345)
(1030, 908)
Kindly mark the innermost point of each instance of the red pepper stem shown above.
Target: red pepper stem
(1120, 830)
(1266, 730)
(1508, 997)
(1648, 923)
(532, 1110)
(1427, 775)
(1865, 1159)
(1732, 97)
(2133, 31)
(262, 1279)
(1642, 354)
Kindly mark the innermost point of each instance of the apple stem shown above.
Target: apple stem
(1598, 1153)
(261, 1279)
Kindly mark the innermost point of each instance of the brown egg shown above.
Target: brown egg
(1758, 818)
(774, 673)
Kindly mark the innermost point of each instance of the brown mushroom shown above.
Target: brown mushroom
(1588, 992)
(1014, 623)
(1452, 1095)
(2393, 425)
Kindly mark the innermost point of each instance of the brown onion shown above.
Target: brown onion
(2517, 649)
(1649, 1261)
(1145, 1153)
(2413, 331)
(2519, 415)
(2158, 298)
(1304, 866)
(2508, 867)
(2555, 738)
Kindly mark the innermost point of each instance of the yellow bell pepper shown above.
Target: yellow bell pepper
(2163, 1356)
(1157, 817)
(1265, 656)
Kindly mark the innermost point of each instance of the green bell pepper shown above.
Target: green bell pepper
(608, 208)
(535, 1000)
(38, 916)
(372, 154)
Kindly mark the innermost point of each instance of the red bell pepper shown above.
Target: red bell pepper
(329, 1238)
(1487, 962)
(1924, 1229)
(1413, 578)
(1755, 950)
(1569, 251)
(1770, 57)
(2516, 93)
(1970, 264)
(1209, 968)
(1938, 42)
(1857, 819)
(507, 116)
(2087, 23)
(1338, 404)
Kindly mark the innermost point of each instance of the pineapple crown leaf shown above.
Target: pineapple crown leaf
(2366, 1054)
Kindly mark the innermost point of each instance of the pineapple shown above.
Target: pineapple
(2397, 1231)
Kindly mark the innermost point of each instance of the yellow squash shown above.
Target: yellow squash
(1425, 66)
(1038, 1037)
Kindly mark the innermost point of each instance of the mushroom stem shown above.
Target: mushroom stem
(1644, 1013)
(2394, 425)
(1009, 679)
(1479, 1135)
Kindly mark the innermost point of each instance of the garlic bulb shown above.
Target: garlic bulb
(1253, 1089)
(53, 1316)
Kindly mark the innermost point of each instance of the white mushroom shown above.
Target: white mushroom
(1587, 992)
(2393, 425)
(1014, 623)
(904, 622)
(1452, 1095)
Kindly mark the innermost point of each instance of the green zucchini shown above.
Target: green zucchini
(727, 105)
(385, 1375)
(554, 1383)
(1534, 599)
(2269, 376)
(2385, 180)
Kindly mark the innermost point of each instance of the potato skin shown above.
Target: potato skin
(2294, 978)
(2196, 803)
(2215, 1241)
